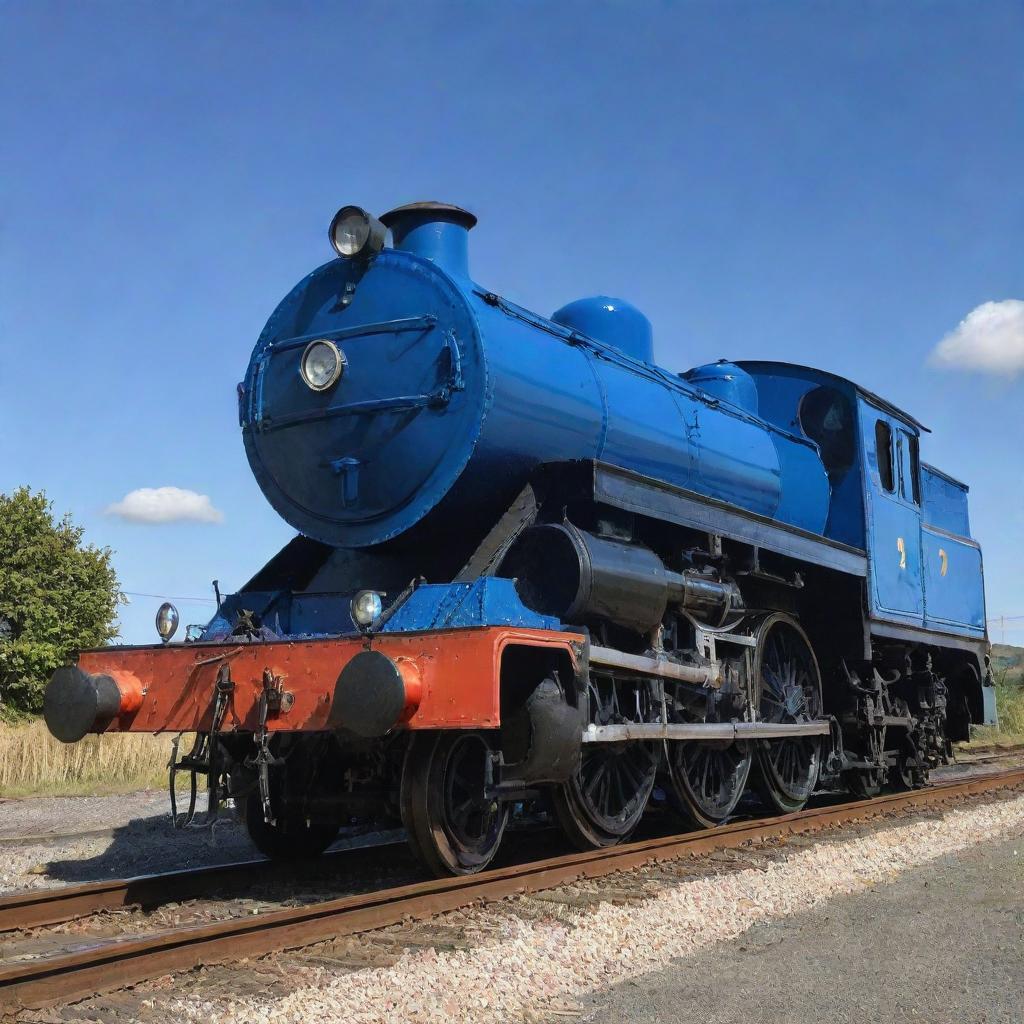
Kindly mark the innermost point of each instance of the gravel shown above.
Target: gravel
(541, 967)
(36, 816)
(90, 838)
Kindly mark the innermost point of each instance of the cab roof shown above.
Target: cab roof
(766, 366)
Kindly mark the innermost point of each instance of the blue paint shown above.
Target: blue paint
(925, 568)
(945, 501)
(452, 396)
(613, 322)
(781, 389)
(893, 524)
(954, 594)
(434, 231)
(487, 601)
(450, 393)
(367, 459)
(903, 536)
(726, 381)
(954, 599)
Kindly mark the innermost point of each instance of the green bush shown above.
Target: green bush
(57, 596)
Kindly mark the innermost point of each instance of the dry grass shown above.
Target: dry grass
(33, 763)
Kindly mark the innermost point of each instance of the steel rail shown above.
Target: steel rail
(36, 908)
(46, 838)
(110, 964)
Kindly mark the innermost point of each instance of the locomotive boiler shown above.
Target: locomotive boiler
(441, 397)
(538, 574)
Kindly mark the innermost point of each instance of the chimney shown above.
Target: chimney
(438, 232)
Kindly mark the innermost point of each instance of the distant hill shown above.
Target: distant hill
(1008, 660)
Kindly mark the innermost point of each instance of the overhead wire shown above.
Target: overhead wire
(168, 597)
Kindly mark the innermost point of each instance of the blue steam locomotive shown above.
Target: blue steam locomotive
(533, 568)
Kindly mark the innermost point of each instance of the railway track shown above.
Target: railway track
(988, 755)
(36, 908)
(99, 965)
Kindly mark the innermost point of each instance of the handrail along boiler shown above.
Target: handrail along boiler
(536, 572)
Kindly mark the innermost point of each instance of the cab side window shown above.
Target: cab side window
(909, 462)
(883, 450)
(826, 417)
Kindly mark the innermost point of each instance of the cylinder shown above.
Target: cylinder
(578, 577)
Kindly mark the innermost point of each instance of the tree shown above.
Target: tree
(57, 596)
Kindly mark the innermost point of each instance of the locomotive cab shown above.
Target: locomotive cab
(923, 597)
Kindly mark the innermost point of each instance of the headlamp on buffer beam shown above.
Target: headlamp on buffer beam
(366, 608)
(166, 621)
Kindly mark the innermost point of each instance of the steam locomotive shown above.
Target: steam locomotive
(536, 570)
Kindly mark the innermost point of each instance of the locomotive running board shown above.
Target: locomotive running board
(730, 731)
(656, 499)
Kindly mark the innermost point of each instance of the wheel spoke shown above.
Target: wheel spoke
(707, 782)
(595, 780)
(460, 815)
(789, 692)
(606, 798)
(605, 792)
(451, 827)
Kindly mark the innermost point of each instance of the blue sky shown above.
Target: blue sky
(826, 183)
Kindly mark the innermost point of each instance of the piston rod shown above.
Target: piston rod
(700, 675)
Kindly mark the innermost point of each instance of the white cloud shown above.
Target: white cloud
(165, 505)
(989, 339)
